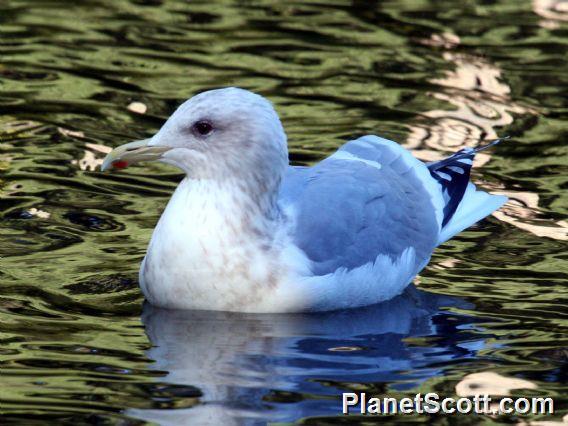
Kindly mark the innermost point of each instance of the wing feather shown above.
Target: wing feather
(364, 201)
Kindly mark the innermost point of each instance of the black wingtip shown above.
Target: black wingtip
(465, 152)
(492, 143)
(453, 174)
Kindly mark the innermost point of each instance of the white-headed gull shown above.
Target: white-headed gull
(245, 231)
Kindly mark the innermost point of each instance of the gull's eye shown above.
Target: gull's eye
(203, 128)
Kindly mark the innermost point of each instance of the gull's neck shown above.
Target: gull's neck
(233, 206)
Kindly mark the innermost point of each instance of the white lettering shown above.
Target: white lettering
(406, 406)
(503, 404)
(349, 400)
(468, 405)
(542, 406)
(445, 408)
(392, 409)
(432, 405)
(374, 406)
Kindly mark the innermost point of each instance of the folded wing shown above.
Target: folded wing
(367, 200)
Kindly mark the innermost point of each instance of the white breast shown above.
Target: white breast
(200, 258)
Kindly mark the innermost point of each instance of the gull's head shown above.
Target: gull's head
(224, 134)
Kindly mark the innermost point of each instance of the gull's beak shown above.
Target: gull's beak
(133, 152)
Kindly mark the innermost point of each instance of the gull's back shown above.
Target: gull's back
(368, 218)
(363, 201)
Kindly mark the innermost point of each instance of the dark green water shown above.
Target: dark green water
(75, 346)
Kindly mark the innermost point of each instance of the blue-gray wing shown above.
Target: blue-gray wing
(370, 198)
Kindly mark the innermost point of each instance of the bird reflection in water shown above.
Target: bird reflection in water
(255, 368)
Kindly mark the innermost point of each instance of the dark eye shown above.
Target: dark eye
(203, 127)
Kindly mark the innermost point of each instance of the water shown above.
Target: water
(76, 345)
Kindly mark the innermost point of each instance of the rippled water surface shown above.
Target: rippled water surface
(78, 78)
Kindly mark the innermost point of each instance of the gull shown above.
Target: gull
(244, 231)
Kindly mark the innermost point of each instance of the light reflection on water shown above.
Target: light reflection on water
(483, 105)
(78, 80)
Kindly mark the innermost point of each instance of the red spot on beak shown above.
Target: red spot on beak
(120, 164)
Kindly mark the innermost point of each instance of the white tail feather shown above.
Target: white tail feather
(474, 206)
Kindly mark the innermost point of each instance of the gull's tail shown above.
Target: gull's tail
(464, 205)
